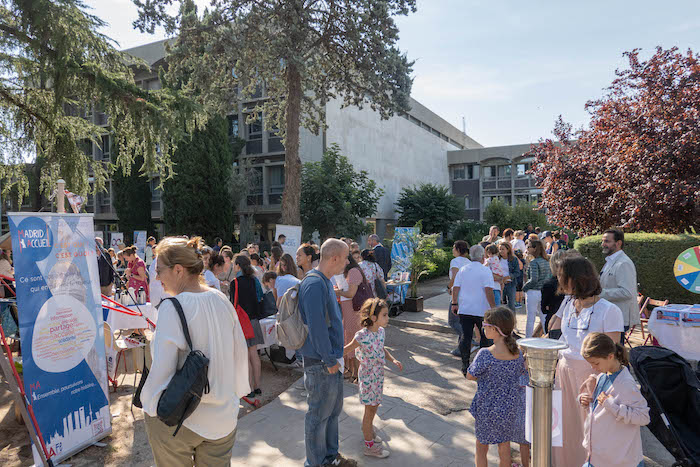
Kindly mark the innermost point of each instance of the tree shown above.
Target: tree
(197, 199)
(57, 70)
(636, 165)
(132, 199)
(305, 53)
(431, 204)
(335, 198)
(518, 218)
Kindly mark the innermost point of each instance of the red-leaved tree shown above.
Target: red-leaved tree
(637, 166)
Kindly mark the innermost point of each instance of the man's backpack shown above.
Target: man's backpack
(291, 329)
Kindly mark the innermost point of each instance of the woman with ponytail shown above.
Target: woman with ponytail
(498, 406)
(615, 408)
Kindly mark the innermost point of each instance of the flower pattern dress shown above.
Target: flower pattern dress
(498, 406)
(370, 354)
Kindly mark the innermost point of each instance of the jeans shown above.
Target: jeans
(533, 304)
(465, 345)
(623, 334)
(453, 322)
(497, 297)
(325, 400)
(509, 293)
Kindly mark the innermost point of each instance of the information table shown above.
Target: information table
(269, 330)
(117, 320)
(684, 340)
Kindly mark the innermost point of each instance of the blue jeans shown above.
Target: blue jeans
(325, 399)
(509, 292)
(497, 297)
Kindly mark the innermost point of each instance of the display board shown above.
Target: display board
(402, 248)
(116, 239)
(687, 269)
(293, 240)
(140, 237)
(60, 320)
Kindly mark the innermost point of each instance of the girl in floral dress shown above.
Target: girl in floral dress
(498, 406)
(368, 345)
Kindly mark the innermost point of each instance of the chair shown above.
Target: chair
(116, 350)
(640, 302)
(645, 313)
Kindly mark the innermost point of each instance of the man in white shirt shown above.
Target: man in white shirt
(618, 278)
(472, 295)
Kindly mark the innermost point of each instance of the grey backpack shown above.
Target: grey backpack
(291, 330)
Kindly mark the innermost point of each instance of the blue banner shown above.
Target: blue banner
(402, 248)
(62, 335)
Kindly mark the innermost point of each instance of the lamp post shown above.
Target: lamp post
(542, 356)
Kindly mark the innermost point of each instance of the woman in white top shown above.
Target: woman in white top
(215, 266)
(580, 314)
(460, 251)
(208, 434)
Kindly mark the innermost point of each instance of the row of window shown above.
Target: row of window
(528, 198)
(471, 171)
(429, 129)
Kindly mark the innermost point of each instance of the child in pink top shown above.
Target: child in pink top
(617, 409)
(499, 273)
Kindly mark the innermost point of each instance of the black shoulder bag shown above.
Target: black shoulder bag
(185, 389)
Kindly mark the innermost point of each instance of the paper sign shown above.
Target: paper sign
(292, 241)
(557, 439)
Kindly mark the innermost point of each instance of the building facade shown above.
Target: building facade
(399, 152)
(480, 176)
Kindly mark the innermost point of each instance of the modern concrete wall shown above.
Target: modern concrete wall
(396, 152)
(310, 145)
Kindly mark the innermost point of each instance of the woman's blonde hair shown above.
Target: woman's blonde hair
(186, 253)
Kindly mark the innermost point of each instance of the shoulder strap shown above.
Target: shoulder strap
(183, 321)
(235, 296)
(364, 279)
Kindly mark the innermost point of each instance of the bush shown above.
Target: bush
(430, 204)
(654, 256)
(469, 230)
(517, 218)
(441, 257)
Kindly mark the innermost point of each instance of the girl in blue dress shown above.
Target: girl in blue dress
(499, 404)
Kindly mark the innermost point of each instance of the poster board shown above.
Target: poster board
(557, 437)
(60, 319)
(402, 248)
(293, 240)
(140, 237)
(116, 239)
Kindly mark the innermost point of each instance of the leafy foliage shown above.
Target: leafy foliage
(636, 166)
(422, 260)
(469, 230)
(441, 257)
(57, 68)
(430, 204)
(654, 256)
(197, 199)
(518, 217)
(132, 200)
(335, 198)
(305, 53)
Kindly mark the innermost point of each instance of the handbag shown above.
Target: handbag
(379, 287)
(246, 326)
(364, 293)
(184, 391)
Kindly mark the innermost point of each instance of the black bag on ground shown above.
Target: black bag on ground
(185, 389)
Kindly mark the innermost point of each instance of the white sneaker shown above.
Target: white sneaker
(377, 439)
(376, 451)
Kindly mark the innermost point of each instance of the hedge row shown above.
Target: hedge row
(654, 256)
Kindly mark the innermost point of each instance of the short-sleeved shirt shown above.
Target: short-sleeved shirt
(211, 279)
(471, 280)
(354, 277)
(459, 262)
(518, 244)
(601, 317)
(284, 283)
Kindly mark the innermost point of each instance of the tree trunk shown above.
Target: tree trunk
(292, 173)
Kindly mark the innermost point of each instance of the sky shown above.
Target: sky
(508, 68)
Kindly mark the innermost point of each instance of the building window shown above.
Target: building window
(467, 202)
(522, 168)
(465, 172)
(504, 171)
(255, 129)
(233, 126)
(104, 150)
(458, 172)
(255, 193)
(156, 195)
(490, 171)
(106, 198)
(275, 184)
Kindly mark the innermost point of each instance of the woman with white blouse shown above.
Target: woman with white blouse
(581, 313)
(206, 436)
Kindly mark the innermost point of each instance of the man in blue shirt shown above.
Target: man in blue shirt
(322, 353)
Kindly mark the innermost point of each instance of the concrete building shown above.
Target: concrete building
(399, 152)
(482, 175)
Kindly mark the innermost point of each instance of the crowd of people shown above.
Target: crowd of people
(339, 286)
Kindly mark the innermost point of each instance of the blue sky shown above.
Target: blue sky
(510, 68)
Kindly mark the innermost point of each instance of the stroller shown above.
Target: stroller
(673, 393)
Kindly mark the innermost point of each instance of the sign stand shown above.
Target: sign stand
(20, 400)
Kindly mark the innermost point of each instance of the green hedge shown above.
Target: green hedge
(654, 256)
(441, 257)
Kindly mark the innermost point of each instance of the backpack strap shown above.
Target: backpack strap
(183, 321)
(235, 296)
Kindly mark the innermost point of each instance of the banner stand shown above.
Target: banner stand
(20, 400)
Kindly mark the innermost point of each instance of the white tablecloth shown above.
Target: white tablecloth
(684, 340)
(117, 320)
(269, 331)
